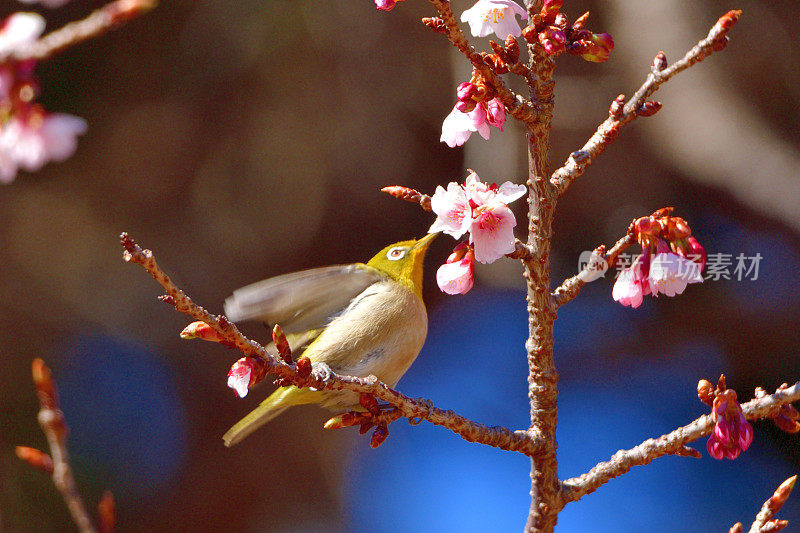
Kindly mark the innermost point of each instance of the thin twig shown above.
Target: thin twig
(52, 422)
(764, 519)
(572, 286)
(622, 461)
(515, 104)
(97, 23)
(324, 379)
(620, 115)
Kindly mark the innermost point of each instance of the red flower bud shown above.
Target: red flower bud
(245, 373)
(553, 40)
(281, 344)
(660, 62)
(580, 22)
(200, 330)
(36, 458)
(465, 91)
(705, 391)
(550, 9)
(597, 48)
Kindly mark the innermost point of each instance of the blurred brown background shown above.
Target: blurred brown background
(241, 140)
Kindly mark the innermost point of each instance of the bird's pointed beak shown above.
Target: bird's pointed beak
(425, 241)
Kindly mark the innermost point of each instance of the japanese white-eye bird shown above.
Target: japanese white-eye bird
(359, 319)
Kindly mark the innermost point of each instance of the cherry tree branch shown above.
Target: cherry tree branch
(622, 112)
(600, 262)
(324, 379)
(542, 372)
(97, 23)
(51, 420)
(515, 104)
(764, 520)
(669, 444)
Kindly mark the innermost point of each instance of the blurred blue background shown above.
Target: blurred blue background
(243, 140)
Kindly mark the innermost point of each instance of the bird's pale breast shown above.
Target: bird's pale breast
(380, 333)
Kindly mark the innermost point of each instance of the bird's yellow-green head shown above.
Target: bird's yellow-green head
(402, 261)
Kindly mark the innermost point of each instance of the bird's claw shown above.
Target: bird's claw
(321, 371)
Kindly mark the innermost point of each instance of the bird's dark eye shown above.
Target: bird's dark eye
(395, 253)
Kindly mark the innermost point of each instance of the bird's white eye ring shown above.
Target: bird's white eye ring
(396, 254)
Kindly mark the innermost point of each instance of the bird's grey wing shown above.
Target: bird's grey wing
(303, 300)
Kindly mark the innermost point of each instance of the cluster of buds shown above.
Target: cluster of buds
(372, 416)
(504, 55)
(552, 30)
(477, 108)
(29, 136)
(249, 371)
(671, 258)
(732, 433)
(788, 418)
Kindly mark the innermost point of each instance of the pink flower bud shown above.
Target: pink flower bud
(732, 433)
(245, 373)
(495, 113)
(553, 40)
(466, 90)
(597, 48)
(457, 275)
(386, 5)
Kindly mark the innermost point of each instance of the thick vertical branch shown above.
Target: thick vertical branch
(542, 374)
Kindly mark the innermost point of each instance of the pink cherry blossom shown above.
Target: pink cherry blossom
(452, 210)
(18, 31)
(456, 276)
(31, 144)
(670, 273)
(498, 16)
(632, 283)
(481, 210)
(492, 231)
(458, 126)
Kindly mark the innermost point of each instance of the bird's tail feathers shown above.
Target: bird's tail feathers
(275, 404)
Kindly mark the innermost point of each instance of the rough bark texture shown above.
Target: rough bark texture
(542, 374)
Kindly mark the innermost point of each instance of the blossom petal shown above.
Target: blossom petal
(497, 16)
(508, 192)
(239, 379)
(456, 278)
(492, 232)
(626, 289)
(456, 128)
(451, 208)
